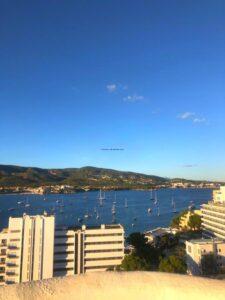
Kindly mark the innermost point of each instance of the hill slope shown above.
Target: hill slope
(29, 176)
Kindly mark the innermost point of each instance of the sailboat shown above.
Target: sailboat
(114, 202)
(113, 209)
(173, 205)
(101, 198)
(126, 206)
(156, 199)
(86, 216)
(27, 203)
(158, 213)
(101, 195)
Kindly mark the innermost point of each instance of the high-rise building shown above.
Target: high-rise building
(86, 249)
(27, 249)
(31, 248)
(213, 215)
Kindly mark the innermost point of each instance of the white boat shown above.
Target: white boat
(19, 202)
(156, 198)
(173, 205)
(149, 210)
(114, 202)
(113, 209)
(27, 204)
(158, 213)
(126, 206)
(11, 209)
(97, 216)
(101, 195)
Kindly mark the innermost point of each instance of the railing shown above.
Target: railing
(12, 247)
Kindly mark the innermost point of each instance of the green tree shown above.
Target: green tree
(175, 223)
(167, 241)
(143, 250)
(195, 222)
(137, 240)
(132, 262)
(172, 264)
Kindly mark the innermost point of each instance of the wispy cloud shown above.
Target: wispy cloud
(111, 87)
(191, 116)
(133, 98)
(199, 120)
(186, 115)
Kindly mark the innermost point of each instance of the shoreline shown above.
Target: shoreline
(105, 190)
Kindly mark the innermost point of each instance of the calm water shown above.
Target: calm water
(79, 204)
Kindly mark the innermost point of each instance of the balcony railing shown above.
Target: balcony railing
(12, 247)
(12, 256)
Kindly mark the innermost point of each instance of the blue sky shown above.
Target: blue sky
(146, 76)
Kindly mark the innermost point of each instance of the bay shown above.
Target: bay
(135, 217)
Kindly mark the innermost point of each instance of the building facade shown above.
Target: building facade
(86, 249)
(32, 248)
(196, 249)
(213, 215)
(27, 249)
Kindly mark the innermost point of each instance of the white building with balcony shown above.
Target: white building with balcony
(31, 248)
(213, 215)
(86, 249)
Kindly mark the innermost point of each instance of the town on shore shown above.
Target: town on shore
(16, 179)
(69, 189)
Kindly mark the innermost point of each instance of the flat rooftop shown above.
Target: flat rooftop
(102, 226)
(206, 241)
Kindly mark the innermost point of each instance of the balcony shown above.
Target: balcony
(12, 265)
(12, 256)
(11, 274)
(12, 247)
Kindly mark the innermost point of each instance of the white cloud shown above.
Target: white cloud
(199, 120)
(191, 116)
(111, 87)
(186, 115)
(133, 98)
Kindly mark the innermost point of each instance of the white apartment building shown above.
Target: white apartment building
(31, 248)
(196, 249)
(27, 249)
(86, 249)
(213, 215)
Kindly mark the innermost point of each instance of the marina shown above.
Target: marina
(133, 209)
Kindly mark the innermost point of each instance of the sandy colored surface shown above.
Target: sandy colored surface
(113, 285)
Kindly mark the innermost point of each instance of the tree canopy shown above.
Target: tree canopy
(195, 222)
(172, 264)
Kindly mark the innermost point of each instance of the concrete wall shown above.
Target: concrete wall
(118, 285)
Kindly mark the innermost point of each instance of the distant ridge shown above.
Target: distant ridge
(11, 175)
